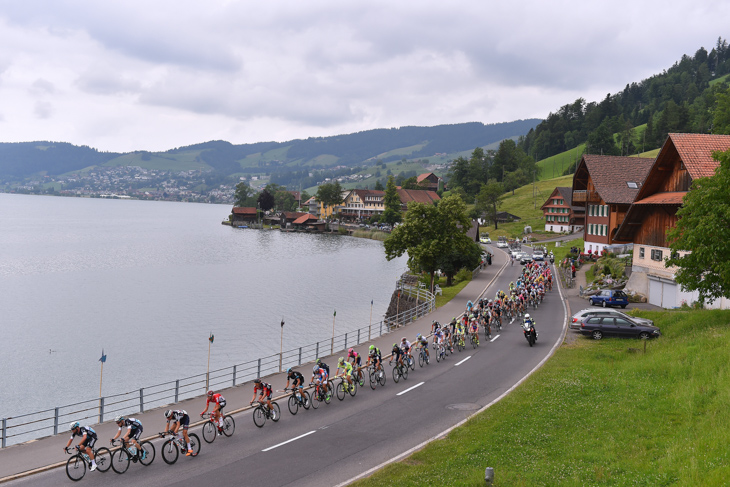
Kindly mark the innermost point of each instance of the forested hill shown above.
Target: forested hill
(23, 160)
(681, 99)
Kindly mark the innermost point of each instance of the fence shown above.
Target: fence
(42, 423)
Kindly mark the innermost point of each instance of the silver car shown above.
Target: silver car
(578, 317)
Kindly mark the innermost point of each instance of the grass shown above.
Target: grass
(371, 234)
(600, 413)
(721, 79)
(553, 166)
(448, 292)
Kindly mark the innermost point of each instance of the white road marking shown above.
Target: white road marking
(288, 441)
(410, 388)
(495, 337)
(459, 363)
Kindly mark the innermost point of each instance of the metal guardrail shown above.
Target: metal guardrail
(43, 423)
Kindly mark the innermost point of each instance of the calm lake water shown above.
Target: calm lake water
(149, 281)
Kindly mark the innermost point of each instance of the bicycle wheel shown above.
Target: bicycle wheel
(76, 467)
(315, 400)
(420, 359)
(170, 452)
(340, 391)
(293, 405)
(381, 377)
(209, 432)
(229, 426)
(412, 363)
(328, 393)
(103, 459)
(438, 355)
(353, 388)
(194, 444)
(149, 448)
(396, 374)
(276, 413)
(120, 461)
(373, 379)
(259, 417)
(404, 372)
(306, 399)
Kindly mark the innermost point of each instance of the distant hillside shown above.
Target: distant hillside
(24, 160)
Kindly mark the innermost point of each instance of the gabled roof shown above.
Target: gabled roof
(417, 195)
(673, 198)
(362, 193)
(423, 176)
(696, 150)
(566, 193)
(293, 215)
(611, 175)
(242, 210)
(305, 219)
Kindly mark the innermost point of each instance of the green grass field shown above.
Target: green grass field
(607, 413)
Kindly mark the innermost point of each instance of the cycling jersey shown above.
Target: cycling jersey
(131, 423)
(296, 377)
(324, 366)
(396, 352)
(322, 375)
(217, 399)
(375, 353)
(177, 415)
(347, 367)
(405, 345)
(84, 430)
(264, 388)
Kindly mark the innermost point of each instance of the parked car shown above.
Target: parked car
(525, 258)
(599, 326)
(578, 317)
(609, 297)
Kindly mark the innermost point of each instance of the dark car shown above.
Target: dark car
(609, 297)
(578, 317)
(600, 326)
(525, 258)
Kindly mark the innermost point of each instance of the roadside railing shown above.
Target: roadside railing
(24, 427)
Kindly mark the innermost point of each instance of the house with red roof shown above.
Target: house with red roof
(682, 159)
(606, 186)
(559, 213)
(429, 181)
(243, 215)
(417, 195)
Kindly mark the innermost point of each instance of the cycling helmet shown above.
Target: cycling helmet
(395, 345)
(318, 361)
(168, 413)
(404, 339)
(418, 337)
(340, 360)
(372, 347)
(119, 419)
(315, 369)
(288, 371)
(210, 393)
(257, 381)
(74, 425)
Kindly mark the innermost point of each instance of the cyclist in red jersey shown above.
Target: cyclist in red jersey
(264, 394)
(219, 403)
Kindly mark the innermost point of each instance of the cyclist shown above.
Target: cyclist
(319, 376)
(86, 444)
(356, 362)
(264, 395)
(397, 354)
(346, 371)
(134, 431)
(297, 380)
(422, 343)
(375, 357)
(474, 329)
(178, 417)
(435, 327)
(460, 331)
(324, 366)
(447, 338)
(219, 402)
(406, 346)
(453, 324)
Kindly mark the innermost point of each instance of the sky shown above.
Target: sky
(139, 75)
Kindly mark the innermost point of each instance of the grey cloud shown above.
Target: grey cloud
(42, 86)
(43, 109)
(107, 84)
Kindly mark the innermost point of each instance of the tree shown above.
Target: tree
(265, 200)
(704, 228)
(378, 186)
(601, 141)
(721, 116)
(410, 183)
(329, 194)
(489, 200)
(428, 233)
(285, 201)
(391, 203)
(245, 195)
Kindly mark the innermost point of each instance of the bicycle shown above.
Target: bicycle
(321, 394)
(422, 357)
(488, 331)
(127, 453)
(78, 463)
(358, 376)
(262, 412)
(376, 376)
(399, 371)
(440, 352)
(410, 361)
(173, 447)
(211, 428)
(297, 400)
(474, 339)
(344, 387)
(460, 345)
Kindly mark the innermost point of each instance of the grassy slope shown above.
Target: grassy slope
(166, 162)
(719, 80)
(554, 166)
(600, 413)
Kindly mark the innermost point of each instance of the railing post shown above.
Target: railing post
(141, 400)
(258, 373)
(101, 410)
(234, 376)
(381, 328)
(55, 422)
(358, 336)
(5, 431)
(345, 341)
(177, 389)
(316, 353)
(300, 355)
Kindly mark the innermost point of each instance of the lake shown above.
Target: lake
(149, 281)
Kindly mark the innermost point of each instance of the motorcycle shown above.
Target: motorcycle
(552, 258)
(528, 328)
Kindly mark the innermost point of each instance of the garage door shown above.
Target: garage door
(669, 295)
(655, 292)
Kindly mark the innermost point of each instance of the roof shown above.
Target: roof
(566, 193)
(243, 210)
(673, 198)
(305, 219)
(423, 176)
(293, 215)
(363, 193)
(611, 175)
(417, 195)
(696, 151)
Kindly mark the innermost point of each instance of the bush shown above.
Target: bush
(462, 275)
(342, 231)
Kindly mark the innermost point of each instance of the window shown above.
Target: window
(641, 252)
(656, 254)
(632, 185)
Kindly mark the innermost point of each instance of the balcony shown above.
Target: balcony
(583, 196)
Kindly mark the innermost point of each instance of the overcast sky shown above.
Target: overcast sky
(154, 75)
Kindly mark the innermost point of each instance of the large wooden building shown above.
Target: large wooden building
(682, 159)
(559, 212)
(606, 186)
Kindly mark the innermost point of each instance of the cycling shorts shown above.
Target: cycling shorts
(185, 422)
(89, 442)
(135, 433)
(221, 404)
(298, 382)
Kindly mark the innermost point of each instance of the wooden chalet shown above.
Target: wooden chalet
(417, 195)
(429, 181)
(606, 186)
(559, 213)
(243, 215)
(682, 159)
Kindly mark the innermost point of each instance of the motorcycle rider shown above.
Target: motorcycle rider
(530, 322)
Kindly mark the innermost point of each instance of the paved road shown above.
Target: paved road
(344, 439)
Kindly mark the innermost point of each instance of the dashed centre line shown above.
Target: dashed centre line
(495, 337)
(410, 388)
(288, 441)
(459, 363)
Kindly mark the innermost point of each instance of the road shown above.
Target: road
(340, 441)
